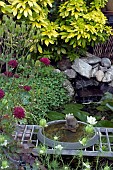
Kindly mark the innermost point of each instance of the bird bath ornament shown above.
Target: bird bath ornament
(67, 133)
(71, 123)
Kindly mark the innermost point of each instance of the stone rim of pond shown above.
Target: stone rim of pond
(66, 145)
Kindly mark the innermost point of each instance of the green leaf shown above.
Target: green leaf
(104, 123)
(47, 42)
(81, 115)
(63, 50)
(19, 16)
(53, 115)
(15, 12)
(58, 51)
(2, 4)
(1, 59)
(66, 40)
(109, 106)
(102, 108)
(25, 13)
(78, 37)
(30, 3)
(73, 106)
(76, 110)
(25, 101)
(39, 48)
(108, 96)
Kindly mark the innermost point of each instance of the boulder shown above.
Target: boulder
(82, 68)
(108, 77)
(93, 60)
(99, 75)
(111, 84)
(70, 73)
(105, 62)
(94, 70)
(104, 69)
(80, 84)
(68, 86)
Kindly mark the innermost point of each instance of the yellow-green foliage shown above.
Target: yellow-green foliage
(35, 11)
(75, 23)
(46, 35)
(98, 4)
(80, 26)
(5, 8)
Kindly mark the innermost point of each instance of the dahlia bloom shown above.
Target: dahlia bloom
(8, 74)
(13, 63)
(27, 88)
(2, 93)
(19, 112)
(46, 61)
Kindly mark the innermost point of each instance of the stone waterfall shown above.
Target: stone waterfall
(88, 78)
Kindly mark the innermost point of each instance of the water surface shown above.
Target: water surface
(64, 134)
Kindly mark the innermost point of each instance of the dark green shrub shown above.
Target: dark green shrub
(45, 91)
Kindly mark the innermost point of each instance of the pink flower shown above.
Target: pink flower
(19, 112)
(8, 74)
(16, 75)
(13, 63)
(46, 61)
(2, 93)
(27, 88)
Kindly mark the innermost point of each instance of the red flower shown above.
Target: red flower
(8, 74)
(13, 63)
(19, 112)
(27, 88)
(16, 75)
(2, 93)
(46, 61)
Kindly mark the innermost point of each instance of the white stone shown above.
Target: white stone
(94, 70)
(57, 71)
(99, 75)
(108, 77)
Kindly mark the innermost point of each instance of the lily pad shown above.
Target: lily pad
(53, 115)
(81, 115)
(70, 108)
(75, 109)
(104, 123)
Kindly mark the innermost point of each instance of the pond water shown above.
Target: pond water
(63, 134)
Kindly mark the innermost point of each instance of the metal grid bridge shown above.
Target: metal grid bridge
(104, 147)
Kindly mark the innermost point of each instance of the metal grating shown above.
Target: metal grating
(104, 147)
(104, 49)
